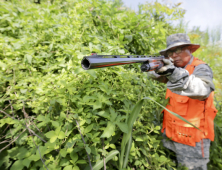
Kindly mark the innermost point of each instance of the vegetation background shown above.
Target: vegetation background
(54, 115)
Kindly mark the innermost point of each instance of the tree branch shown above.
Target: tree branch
(27, 116)
(5, 129)
(84, 143)
(12, 141)
(12, 108)
(39, 152)
(24, 126)
(5, 141)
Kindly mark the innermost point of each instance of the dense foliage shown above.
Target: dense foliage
(55, 115)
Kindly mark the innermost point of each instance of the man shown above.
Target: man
(190, 91)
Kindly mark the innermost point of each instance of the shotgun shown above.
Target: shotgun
(99, 61)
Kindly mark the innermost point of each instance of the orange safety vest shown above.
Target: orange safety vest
(199, 113)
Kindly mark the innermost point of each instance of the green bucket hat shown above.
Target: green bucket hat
(179, 39)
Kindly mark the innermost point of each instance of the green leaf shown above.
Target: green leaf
(126, 136)
(22, 139)
(103, 114)
(87, 98)
(137, 162)
(63, 115)
(121, 51)
(162, 159)
(82, 122)
(123, 127)
(100, 163)
(26, 162)
(61, 135)
(64, 162)
(139, 138)
(53, 139)
(112, 146)
(29, 58)
(23, 153)
(92, 73)
(75, 168)
(42, 118)
(23, 90)
(69, 167)
(128, 148)
(63, 152)
(55, 124)
(109, 130)
(129, 37)
(34, 158)
(50, 134)
(134, 114)
(74, 156)
(113, 114)
(17, 165)
(90, 46)
(81, 162)
(97, 105)
(78, 70)
(88, 128)
(57, 131)
(88, 150)
(2, 65)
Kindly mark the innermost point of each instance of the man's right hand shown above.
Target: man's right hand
(167, 69)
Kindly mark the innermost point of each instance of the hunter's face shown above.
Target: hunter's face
(180, 55)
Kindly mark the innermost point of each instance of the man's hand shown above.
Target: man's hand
(167, 69)
(157, 77)
(153, 75)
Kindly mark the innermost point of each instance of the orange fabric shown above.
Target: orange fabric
(199, 113)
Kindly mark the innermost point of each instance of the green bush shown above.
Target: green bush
(50, 104)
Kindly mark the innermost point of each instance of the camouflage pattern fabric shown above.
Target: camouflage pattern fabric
(189, 156)
(198, 85)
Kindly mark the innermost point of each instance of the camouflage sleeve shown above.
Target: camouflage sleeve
(198, 85)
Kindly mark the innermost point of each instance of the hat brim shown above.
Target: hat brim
(194, 47)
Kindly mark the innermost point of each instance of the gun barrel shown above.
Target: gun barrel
(93, 62)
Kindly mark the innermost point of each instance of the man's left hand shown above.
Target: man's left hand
(167, 69)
